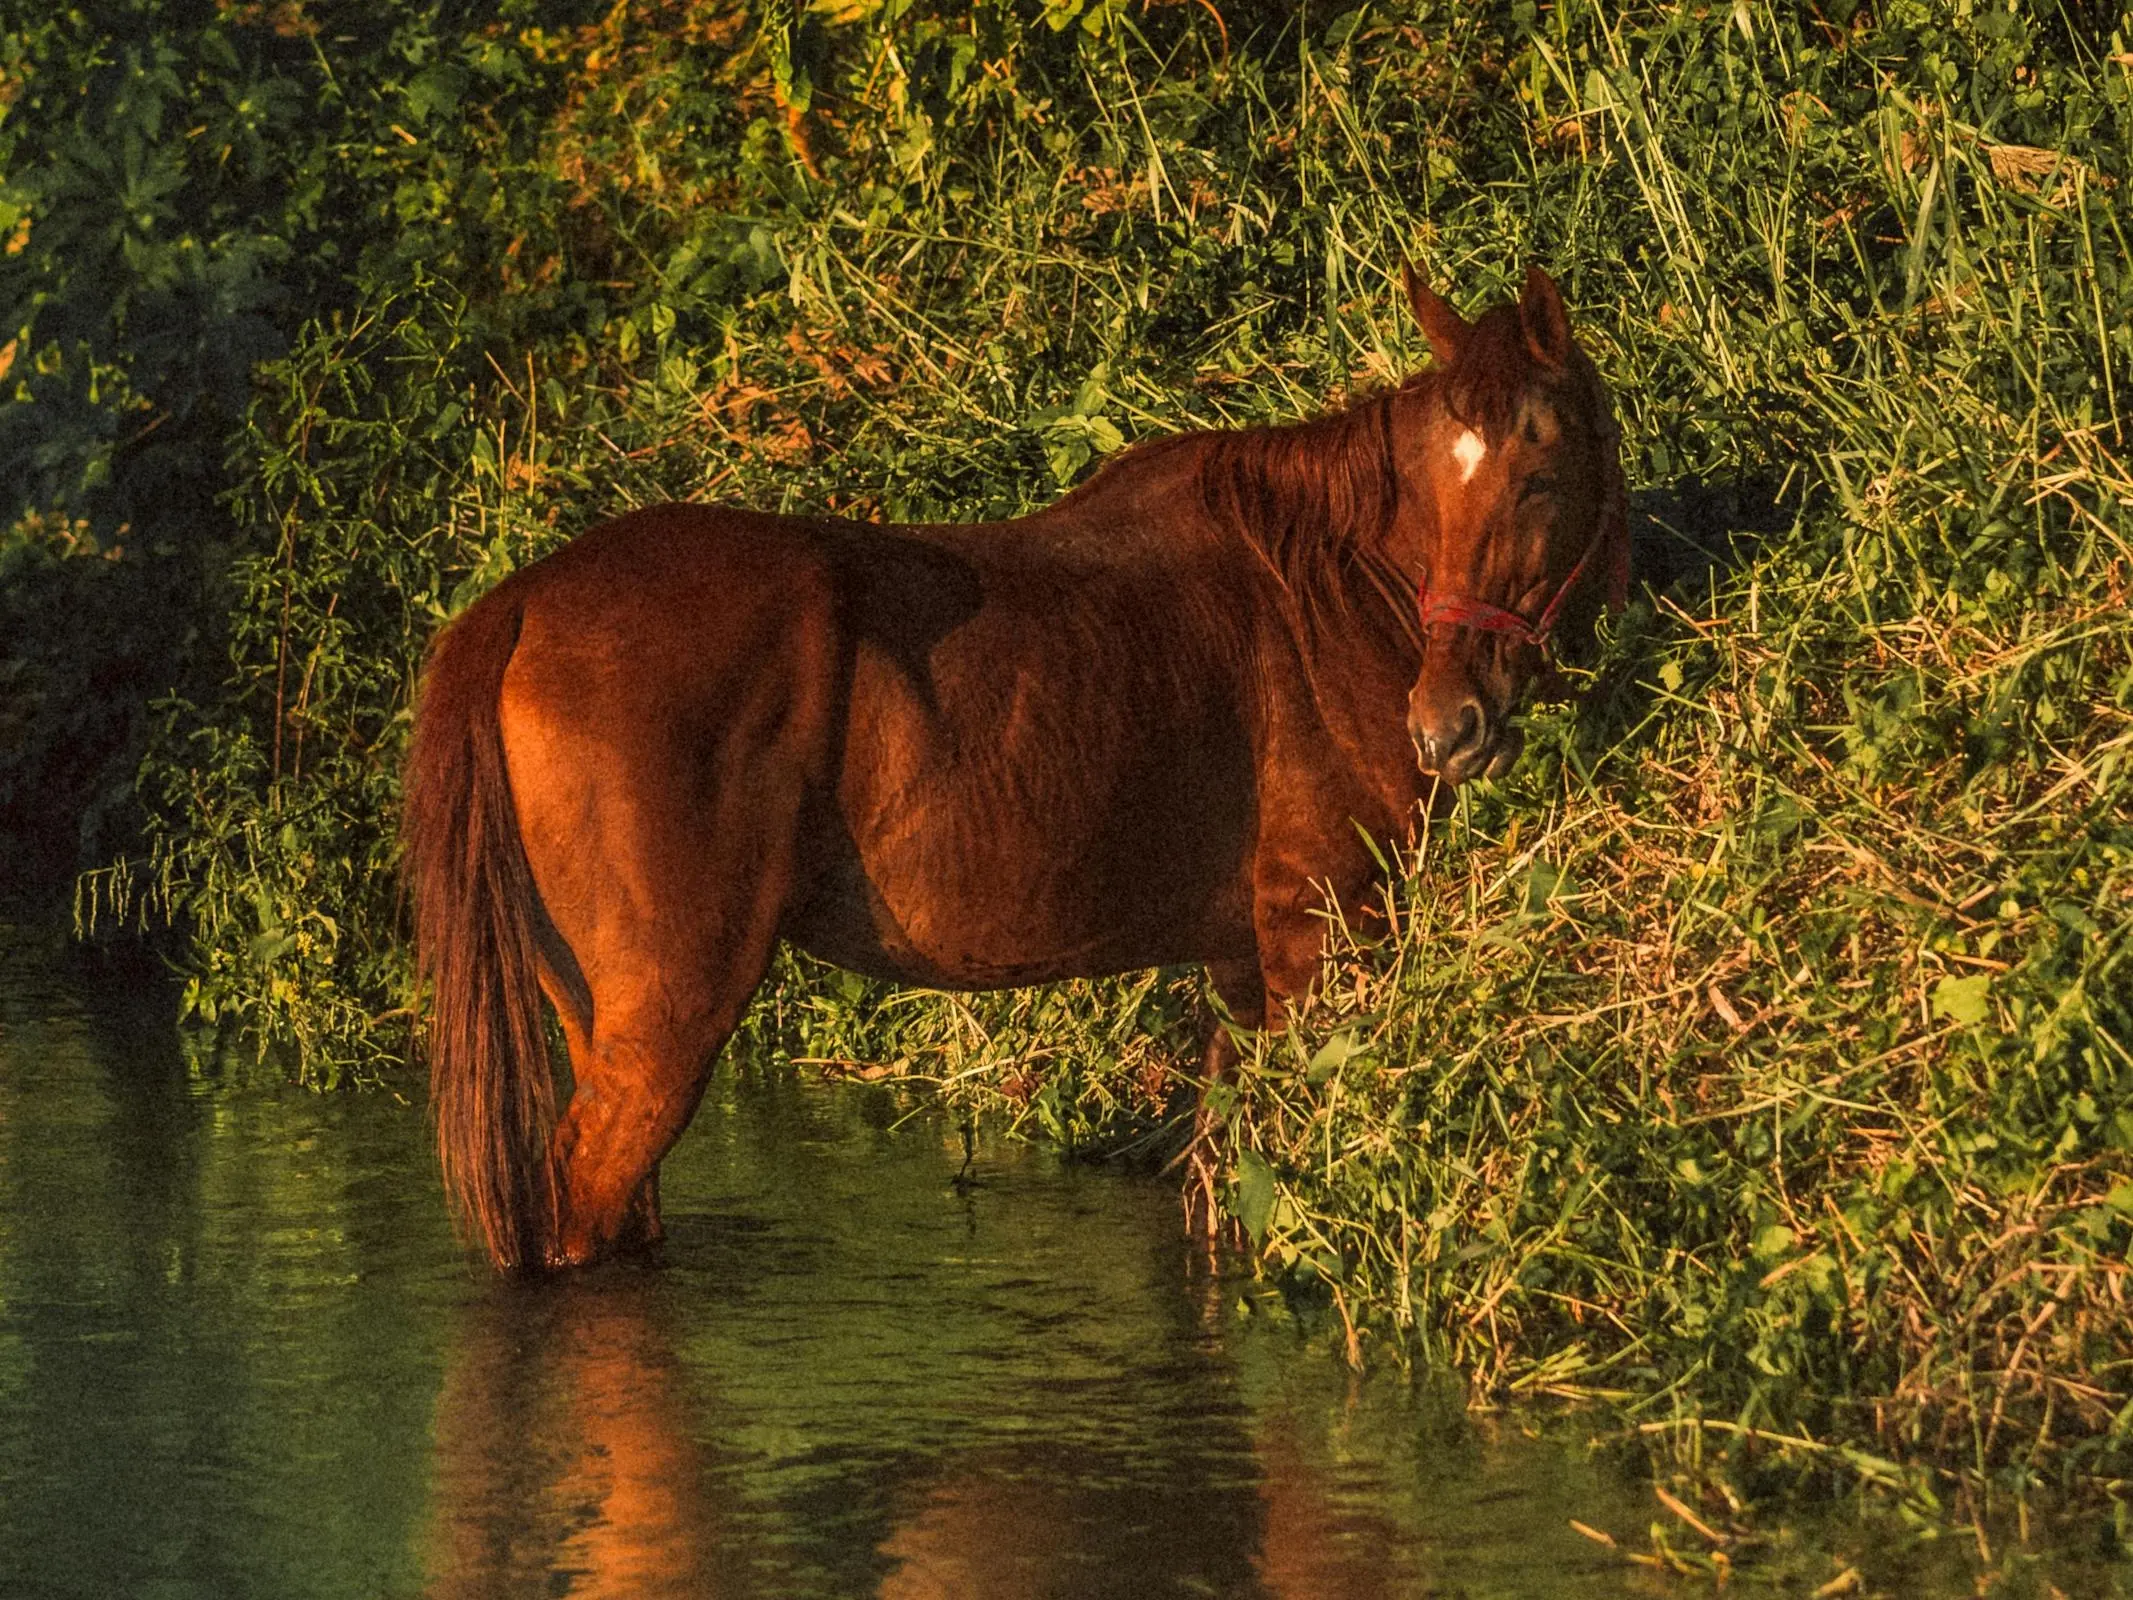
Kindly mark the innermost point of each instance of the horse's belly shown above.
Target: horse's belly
(988, 876)
(1024, 801)
(911, 917)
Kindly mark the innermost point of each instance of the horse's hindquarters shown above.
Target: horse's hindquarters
(901, 750)
(662, 718)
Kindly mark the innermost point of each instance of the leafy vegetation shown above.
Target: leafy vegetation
(1754, 1057)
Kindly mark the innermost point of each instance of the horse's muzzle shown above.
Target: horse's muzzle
(1468, 744)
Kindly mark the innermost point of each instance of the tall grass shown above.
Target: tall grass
(1755, 1056)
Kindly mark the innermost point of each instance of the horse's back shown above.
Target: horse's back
(671, 574)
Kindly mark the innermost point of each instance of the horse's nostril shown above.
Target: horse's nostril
(1471, 733)
(1470, 727)
(1450, 749)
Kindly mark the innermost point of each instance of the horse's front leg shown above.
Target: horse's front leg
(1290, 929)
(1243, 995)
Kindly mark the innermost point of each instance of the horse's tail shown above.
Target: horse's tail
(491, 1089)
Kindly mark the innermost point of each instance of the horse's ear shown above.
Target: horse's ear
(1446, 330)
(1546, 323)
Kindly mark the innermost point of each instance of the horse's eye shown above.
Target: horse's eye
(1539, 484)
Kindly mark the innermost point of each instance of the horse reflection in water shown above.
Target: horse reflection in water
(571, 1461)
(565, 1447)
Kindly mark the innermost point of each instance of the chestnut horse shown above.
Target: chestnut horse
(1157, 723)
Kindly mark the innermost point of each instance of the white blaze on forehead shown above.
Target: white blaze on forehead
(1468, 450)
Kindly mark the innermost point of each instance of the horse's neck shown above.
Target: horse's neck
(1352, 659)
(1359, 673)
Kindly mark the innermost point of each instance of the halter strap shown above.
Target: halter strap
(1460, 611)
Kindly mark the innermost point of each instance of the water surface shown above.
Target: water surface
(241, 1355)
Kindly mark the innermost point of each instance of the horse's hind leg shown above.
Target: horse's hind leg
(642, 1227)
(667, 990)
(664, 854)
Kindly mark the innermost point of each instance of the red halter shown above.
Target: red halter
(1462, 612)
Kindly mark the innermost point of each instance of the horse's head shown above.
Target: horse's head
(1514, 526)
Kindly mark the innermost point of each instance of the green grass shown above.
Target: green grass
(1754, 1059)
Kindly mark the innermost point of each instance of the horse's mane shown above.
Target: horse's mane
(1315, 500)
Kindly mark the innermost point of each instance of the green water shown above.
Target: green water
(240, 1355)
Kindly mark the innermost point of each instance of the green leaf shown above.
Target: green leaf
(1343, 27)
(1963, 1000)
(1066, 458)
(1543, 880)
(435, 91)
(1334, 1054)
(1772, 1241)
(1252, 1199)
(1090, 396)
(272, 945)
(2075, 919)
